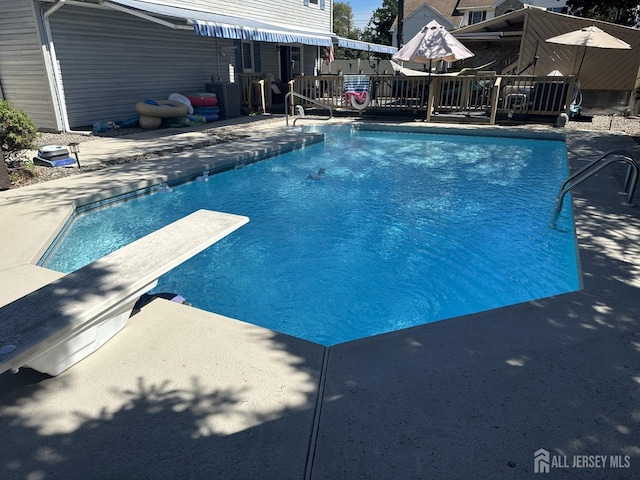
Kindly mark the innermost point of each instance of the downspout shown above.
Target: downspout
(57, 75)
(400, 32)
(56, 6)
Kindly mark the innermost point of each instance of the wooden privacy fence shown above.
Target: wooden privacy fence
(484, 95)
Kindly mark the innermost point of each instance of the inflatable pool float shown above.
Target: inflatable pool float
(130, 122)
(162, 108)
(206, 110)
(186, 121)
(209, 113)
(210, 117)
(150, 123)
(202, 99)
(153, 111)
(182, 99)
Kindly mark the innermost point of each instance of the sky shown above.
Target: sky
(362, 10)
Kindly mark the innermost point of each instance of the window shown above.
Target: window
(477, 17)
(247, 57)
(317, 3)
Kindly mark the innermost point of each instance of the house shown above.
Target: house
(454, 14)
(516, 42)
(417, 13)
(69, 63)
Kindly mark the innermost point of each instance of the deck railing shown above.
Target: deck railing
(537, 95)
(462, 93)
(254, 94)
(478, 94)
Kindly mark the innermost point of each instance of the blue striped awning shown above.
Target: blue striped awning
(258, 33)
(366, 46)
(209, 24)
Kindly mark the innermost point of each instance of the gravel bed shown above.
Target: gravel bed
(30, 174)
(66, 138)
(27, 173)
(615, 123)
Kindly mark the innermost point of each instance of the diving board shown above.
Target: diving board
(66, 319)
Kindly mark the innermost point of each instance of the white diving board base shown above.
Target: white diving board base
(70, 317)
(84, 341)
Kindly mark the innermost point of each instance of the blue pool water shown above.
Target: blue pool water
(401, 230)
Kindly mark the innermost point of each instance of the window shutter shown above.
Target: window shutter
(306, 3)
(322, 2)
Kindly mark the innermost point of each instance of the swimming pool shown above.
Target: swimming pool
(401, 229)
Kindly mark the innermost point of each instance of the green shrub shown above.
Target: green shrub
(17, 131)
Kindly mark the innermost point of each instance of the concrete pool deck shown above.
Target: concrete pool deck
(182, 393)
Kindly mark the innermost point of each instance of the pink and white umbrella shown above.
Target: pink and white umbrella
(433, 42)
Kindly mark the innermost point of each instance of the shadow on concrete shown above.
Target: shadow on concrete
(477, 396)
(179, 428)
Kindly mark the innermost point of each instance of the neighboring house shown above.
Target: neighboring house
(516, 43)
(556, 6)
(476, 11)
(454, 14)
(70, 63)
(417, 13)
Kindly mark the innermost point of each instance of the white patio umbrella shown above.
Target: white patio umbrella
(589, 37)
(433, 42)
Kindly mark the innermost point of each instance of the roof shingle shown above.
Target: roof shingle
(446, 8)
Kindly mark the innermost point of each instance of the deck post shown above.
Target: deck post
(494, 100)
(434, 85)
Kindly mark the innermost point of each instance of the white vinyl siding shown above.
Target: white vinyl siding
(418, 19)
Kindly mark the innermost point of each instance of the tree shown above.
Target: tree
(343, 20)
(622, 12)
(379, 28)
(17, 131)
(343, 27)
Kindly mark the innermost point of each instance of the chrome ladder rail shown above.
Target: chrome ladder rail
(591, 169)
(298, 95)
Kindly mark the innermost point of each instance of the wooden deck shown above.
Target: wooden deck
(476, 98)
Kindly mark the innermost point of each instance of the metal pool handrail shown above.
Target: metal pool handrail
(295, 94)
(591, 169)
